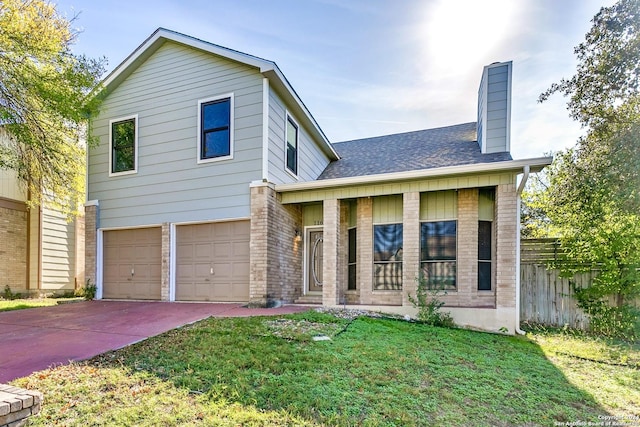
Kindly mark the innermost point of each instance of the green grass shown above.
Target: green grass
(21, 304)
(374, 372)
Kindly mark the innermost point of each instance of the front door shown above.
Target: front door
(314, 260)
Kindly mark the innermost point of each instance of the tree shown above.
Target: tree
(592, 200)
(44, 102)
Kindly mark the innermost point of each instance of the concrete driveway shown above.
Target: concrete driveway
(37, 338)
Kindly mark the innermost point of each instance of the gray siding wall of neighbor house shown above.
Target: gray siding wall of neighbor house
(494, 104)
(311, 160)
(169, 185)
(58, 251)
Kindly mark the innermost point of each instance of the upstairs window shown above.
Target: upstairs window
(215, 128)
(292, 146)
(123, 139)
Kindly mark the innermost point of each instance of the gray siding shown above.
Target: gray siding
(58, 251)
(170, 186)
(311, 161)
(494, 99)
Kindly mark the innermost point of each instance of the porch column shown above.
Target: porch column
(467, 262)
(364, 257)
(506, 226)
(331, 265)
(411, 243)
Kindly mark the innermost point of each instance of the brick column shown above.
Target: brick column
(365, 249)
(467, 262)
(343, 251)
(506, 226)
(331, 265)
(166, 270)
(258, 243)
(411, 245)
(91, 212)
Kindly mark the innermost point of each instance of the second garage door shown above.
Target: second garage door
(212, 262)
(132, 263)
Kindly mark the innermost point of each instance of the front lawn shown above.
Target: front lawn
(377, 372)
(23, 303)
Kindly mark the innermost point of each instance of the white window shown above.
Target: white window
(123, 145)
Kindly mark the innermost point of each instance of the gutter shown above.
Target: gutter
(523, 182)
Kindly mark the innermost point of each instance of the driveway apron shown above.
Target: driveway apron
(38, 338)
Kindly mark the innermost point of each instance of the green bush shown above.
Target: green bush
(87, 292)
(429, 306)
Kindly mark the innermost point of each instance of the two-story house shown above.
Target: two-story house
(213, 182)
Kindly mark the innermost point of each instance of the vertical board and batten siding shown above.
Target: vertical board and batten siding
(58, 251)
(494, 99)
(387, 209)
(438, 205)
(312, 214)
(311, 160)
(170, 186)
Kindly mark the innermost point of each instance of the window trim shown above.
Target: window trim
(289, 118)
(135, 145)
(489, 261)
(199, 158)
(374, 262)
(354, 263)
(455, 261)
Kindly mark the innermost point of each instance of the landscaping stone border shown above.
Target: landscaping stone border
(17, 404)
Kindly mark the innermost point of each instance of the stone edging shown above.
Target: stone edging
(17, 404)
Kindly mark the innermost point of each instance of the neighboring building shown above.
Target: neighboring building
(40, 252)
(213, 182)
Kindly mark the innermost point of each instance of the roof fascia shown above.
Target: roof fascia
(268, 68)
(534, 164)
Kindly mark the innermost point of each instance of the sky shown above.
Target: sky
(376, 67)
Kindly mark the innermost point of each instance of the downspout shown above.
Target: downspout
(523, 182)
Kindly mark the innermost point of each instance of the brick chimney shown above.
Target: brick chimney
(494, 108)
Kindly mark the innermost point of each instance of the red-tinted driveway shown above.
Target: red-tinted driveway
(34, 339)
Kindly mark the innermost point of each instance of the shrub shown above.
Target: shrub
(429, 306)
(88, 292)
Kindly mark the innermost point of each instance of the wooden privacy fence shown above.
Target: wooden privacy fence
(545, 297)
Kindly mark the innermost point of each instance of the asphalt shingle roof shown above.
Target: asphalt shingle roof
(424, 149)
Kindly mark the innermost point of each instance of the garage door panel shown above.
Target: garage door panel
(203, 251)
(222, 250)
(133, 250)
(240, 249)
(218, 248)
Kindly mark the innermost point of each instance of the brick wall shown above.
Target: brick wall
(90, 242)
(13, 248)
(165, 268)
(276, 253)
